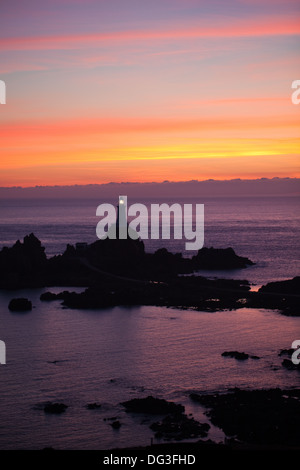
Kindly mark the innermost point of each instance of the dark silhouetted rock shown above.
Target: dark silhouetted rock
(119, 272)
(219, 258)
(290, 286)
(290, 365)
(151, 405)
(197, 292)
(23, 264)
(286, 352)
(20, 305)
(104, 261)
(55, 408)
(260, 417)
(48, 296)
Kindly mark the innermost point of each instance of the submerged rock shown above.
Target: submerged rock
(55, 408)
(240, 356)
(93, 406)
(20, 305)
(116, 424)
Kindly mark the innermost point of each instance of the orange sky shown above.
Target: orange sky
(184, 97)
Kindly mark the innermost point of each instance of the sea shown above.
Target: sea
(108, 356)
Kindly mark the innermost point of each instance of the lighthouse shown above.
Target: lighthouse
(119, 228)
(122, 225)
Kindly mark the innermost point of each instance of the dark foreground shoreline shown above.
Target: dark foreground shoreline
(196, 456)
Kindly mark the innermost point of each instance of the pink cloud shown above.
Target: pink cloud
(254, 27)
(95, 126)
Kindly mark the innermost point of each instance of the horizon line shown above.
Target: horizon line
(152, 182)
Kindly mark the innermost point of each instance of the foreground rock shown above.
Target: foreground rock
(262, 417)
(20, 305)
(151, 405)
(290, 286)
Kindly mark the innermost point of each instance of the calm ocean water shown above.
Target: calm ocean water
(111, 355)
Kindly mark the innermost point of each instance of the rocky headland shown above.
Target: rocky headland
(120, 272)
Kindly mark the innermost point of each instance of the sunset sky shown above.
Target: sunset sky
(140, 90)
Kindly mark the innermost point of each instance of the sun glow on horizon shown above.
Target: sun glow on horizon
(135, 99)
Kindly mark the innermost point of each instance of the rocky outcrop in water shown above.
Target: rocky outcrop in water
(240, 356)
(174, 425)
(151, 405)
(290, 286)
(20, 305)
(119, 272)
(183, 292)
(26, 265)
(219, 258)
(22, 263)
